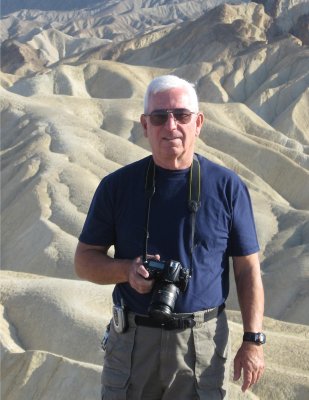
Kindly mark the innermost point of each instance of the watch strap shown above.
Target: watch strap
(254, 337)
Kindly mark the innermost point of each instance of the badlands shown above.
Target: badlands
(73, 75)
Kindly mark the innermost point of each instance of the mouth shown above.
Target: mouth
(171, 139)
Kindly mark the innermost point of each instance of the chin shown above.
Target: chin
(173, 150)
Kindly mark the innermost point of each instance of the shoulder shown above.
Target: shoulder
(125, 177)
(129, 171)
(221, 182)
(215, 172)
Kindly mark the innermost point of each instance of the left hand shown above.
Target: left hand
(250, 359)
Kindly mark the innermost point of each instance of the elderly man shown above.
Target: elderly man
(174, 219)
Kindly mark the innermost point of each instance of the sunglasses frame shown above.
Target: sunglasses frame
(163, 113)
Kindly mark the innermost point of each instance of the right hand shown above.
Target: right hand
(138, 276)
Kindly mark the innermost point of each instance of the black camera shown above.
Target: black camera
(171, 277)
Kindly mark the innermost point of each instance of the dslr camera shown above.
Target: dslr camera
(170, 278)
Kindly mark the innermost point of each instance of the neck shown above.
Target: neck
(173, 164)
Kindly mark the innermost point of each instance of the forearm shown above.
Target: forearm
(250, 292)
(93, 264)
(249, 358)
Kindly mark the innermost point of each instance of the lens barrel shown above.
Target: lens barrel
(163, 301)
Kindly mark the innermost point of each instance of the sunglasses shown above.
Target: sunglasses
(159, 117)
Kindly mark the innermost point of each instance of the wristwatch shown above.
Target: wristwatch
(257, 338)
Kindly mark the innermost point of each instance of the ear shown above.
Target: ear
(199, 123)
(143, 121)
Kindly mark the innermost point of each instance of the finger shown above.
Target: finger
(134, 276)
(139, 268)
(142, 289)
(254, 378)
(141, 285)
(247, 380)
(142, 271)
(139, 279)
(260, 373)
(237, 370)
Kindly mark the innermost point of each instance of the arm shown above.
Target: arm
(249, 357)
(93, 264)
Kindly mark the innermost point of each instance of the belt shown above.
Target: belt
(178, 321)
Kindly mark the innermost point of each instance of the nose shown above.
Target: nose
(171, 121)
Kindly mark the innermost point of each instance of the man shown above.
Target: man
(176, 344)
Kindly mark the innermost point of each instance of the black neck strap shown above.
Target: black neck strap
(193, 200)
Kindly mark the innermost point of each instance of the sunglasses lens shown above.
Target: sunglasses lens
(184, 117)
(159, 117)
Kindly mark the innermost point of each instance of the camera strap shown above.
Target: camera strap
(193, 200)
(150, 189)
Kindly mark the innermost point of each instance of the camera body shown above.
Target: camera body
(170, 278)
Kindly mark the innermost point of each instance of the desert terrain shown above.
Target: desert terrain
(73, 75)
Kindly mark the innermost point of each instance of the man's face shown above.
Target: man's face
(172, 143)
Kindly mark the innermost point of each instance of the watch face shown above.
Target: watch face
(261, 338)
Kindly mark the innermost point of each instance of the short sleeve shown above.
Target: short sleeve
(243, 237)
(99, 229)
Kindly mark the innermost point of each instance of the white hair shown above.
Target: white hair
(167, 82)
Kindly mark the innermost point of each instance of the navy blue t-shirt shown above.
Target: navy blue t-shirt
(224, 227)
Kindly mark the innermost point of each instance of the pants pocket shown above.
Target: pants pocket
(212, 350)
(117, 364)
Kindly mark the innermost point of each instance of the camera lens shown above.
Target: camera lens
(163, 301)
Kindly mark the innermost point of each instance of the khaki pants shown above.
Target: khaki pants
(147, 363)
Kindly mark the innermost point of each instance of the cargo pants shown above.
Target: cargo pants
(147, 363)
